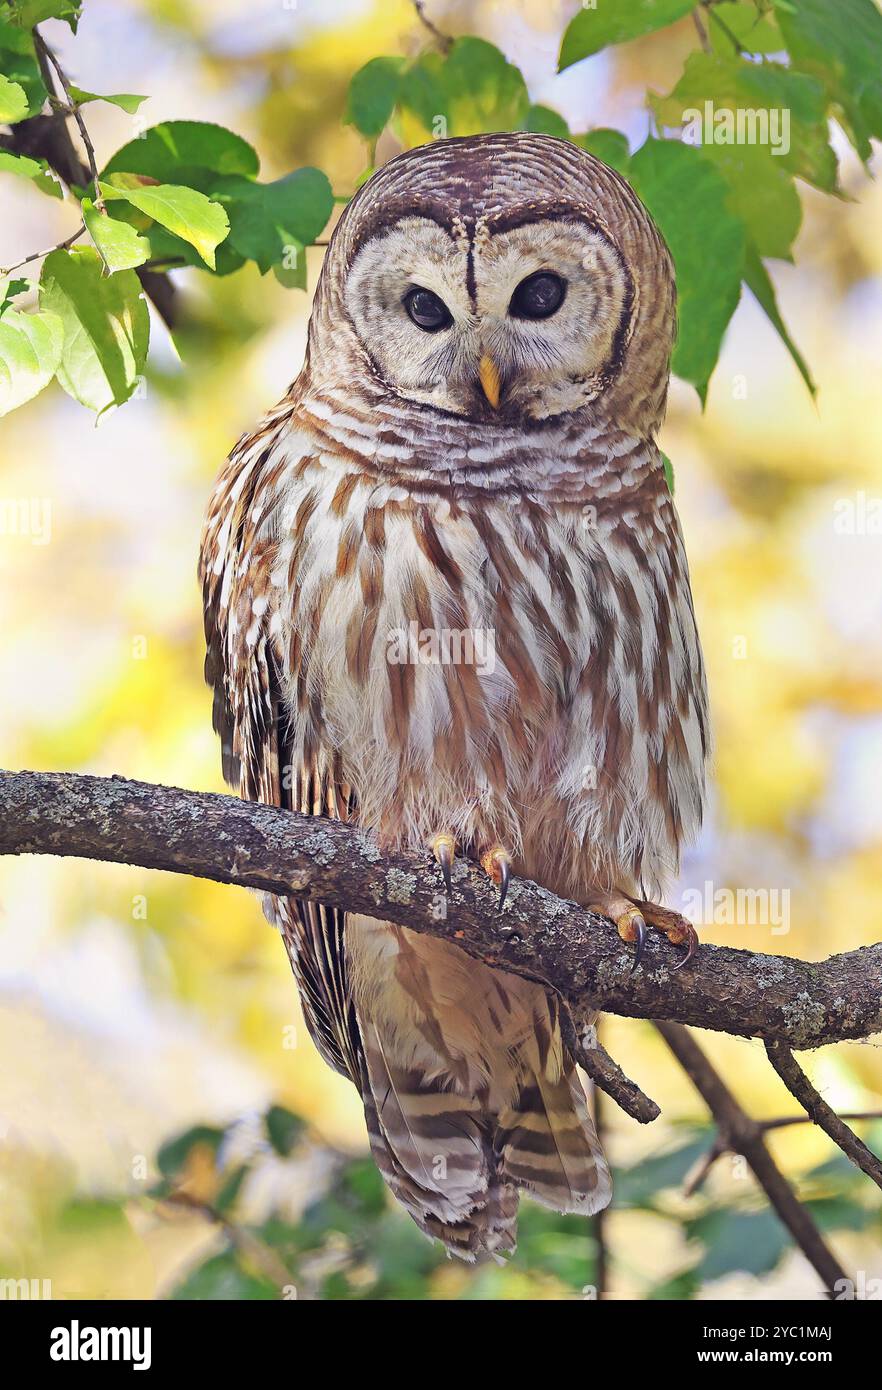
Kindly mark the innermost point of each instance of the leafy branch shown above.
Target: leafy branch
(186, 194)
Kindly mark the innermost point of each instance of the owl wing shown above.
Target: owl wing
(243, 665)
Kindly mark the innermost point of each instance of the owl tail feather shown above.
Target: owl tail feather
(458, 1168)
(548, 1146)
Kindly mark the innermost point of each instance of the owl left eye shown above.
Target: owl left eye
(426, 310)
(539, 296)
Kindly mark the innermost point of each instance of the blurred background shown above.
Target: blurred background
(136, 1007)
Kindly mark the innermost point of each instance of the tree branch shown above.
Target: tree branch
(740, 1134)
(579, 954)
(798, 1084)
(444, 41)
(69, 107)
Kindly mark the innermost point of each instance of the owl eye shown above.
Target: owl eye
(426, 310)
(539, 296)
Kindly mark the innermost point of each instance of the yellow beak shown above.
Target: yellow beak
(488, 375)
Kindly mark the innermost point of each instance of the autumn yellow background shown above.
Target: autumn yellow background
(133, 1004)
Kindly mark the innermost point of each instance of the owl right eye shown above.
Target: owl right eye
(426, 310)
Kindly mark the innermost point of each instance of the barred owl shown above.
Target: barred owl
(468, 452)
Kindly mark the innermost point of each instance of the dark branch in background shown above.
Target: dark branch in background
(444, 41)
(798, 1084)
(738, 1133)
(48, 137)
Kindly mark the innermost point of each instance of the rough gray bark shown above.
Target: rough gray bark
(803, 1004)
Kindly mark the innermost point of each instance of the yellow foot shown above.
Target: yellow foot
(631, 917)
(496, 862)
(443, 847)
(677, 928)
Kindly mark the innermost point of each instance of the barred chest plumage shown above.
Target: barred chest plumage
(520, 665)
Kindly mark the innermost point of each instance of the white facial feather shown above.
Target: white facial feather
(548, 366)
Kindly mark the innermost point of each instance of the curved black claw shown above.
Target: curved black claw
(444, 850)
(639, 943)
(445, 859)
(691, 948)
(504, 880)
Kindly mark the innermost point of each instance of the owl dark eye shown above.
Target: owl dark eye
(426, 310)
(539, 296)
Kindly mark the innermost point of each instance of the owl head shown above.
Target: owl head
(508, 277)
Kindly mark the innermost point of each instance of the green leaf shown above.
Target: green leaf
(756, 277)
(173, 1155)
(609, 145)
(688, 199)
(223, 1278)
(757, 94)
(269, 222)
(183, 151)
(13, 101)
(739, 21)
(230, 1189)
(106, 326)
(19, 64)
(120, 245)
(11, 290)
(284, 1129)
(474, 88)
(484, 90)
(841, 44)
(35, 169)
(422, 91)
(543, 121)
(669, 472)
(762, 194)
(373, 93)
(182, 211)
(291, 272)
(592, 29)
(749, 1241)
(127, 101)
(27, 13)
(30, 351)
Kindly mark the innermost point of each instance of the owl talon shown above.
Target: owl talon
(677, 928)
(627, 918)
(496, 862)
(640, 943)
(444, 850)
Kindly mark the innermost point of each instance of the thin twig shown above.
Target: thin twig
(71, 108)
(785, 1121)
(743, 1135)
(599, 1220)
(699, 1173)
(701, 31)
(799, 1086)
(606, 1074)
(254, 1249)
(442, 39)
(733, 39)
(38, 255)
